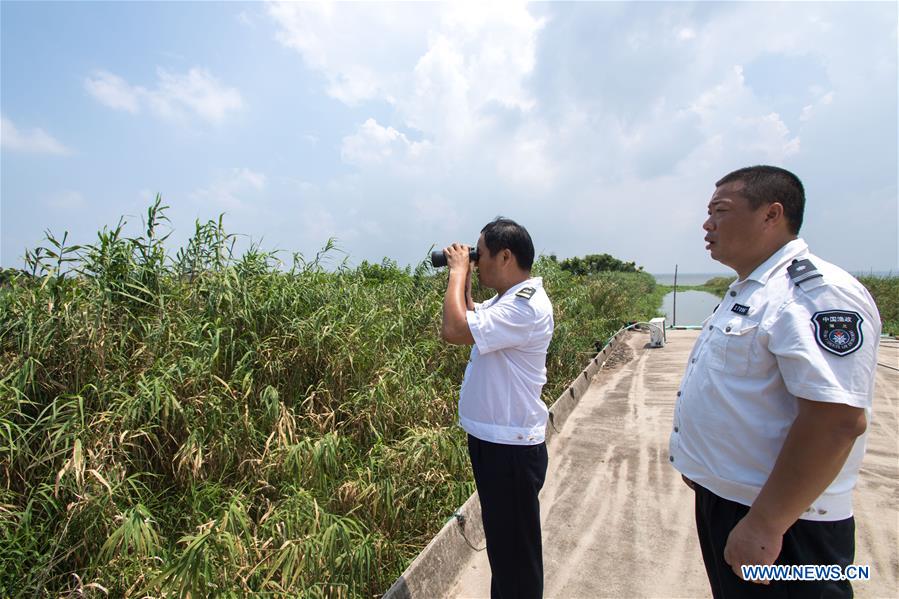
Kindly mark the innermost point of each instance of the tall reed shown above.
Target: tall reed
(211, 424)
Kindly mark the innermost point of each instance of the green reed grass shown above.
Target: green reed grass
(717, 285)
(212, 424)
(885, 290)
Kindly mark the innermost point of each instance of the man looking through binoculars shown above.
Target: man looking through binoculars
(499, 402)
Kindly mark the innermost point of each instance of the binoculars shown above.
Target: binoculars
(438, 258)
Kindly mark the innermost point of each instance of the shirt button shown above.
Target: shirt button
(675, 429)
(727, 329)
(671, 458)
(678, 393)
(711, 327)
(693, 361)
(733, 294)
(520, 437)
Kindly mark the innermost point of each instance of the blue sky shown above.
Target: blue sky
(393, 127)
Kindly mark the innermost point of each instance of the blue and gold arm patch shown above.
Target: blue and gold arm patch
(838, 331)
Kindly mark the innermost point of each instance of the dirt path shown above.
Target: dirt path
(618, 521)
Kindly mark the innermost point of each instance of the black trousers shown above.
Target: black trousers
(509, 478)
(805, 543)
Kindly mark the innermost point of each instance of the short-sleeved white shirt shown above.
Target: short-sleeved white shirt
(500, 397)
(759, 351)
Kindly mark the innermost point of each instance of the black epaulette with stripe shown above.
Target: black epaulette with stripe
(526, 292)
(802, 270)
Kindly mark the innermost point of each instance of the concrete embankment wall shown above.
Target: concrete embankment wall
(436, 568)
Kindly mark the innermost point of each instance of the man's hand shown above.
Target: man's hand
(751, 544)
(457, 257)
(458, 296)
(815, 449)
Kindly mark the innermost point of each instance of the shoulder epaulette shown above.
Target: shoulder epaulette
(526, 292)
(802, 270)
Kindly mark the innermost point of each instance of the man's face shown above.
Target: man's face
(486, 264)
(734, 230)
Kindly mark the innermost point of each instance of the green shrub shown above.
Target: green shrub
(596, 263)
(885, 290)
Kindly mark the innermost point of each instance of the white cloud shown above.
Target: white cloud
(197, 91)
(249, 18)
(808, 111)
(36, 141)
(583, 114)
(231, 191)
(588, 122)
(113, 91)
(68, 200)
(440, 64)
(176, 96)
(527, 162)
(362, 49)
(374, 144)
(735, 126)
(767, 136)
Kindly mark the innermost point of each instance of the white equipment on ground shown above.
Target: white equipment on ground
(657, 332)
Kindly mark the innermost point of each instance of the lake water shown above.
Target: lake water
(692, 278)
(689, 278)
(692, 307)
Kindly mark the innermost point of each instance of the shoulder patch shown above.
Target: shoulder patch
(526, 292)
(838, 331)
(802, 270)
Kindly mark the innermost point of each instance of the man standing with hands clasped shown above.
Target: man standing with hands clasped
(771, 416)
(499, 403)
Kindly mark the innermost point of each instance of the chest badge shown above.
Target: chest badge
(740, 309)
(838, 331)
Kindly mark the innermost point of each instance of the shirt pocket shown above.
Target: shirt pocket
(731, 345)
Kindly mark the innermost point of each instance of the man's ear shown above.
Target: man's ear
(774, 213)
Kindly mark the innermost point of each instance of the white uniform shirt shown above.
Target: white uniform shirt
(769, 342)
(500, 397)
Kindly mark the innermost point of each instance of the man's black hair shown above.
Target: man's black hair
(505, 234)
(768, 184)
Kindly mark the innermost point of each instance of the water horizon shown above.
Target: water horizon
(698, 278)
(689, 278)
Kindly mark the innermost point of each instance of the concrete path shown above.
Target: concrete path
(618, 521)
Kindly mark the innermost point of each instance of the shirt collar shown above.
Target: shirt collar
(788, 251)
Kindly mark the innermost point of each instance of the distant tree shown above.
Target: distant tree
(8, 274)
(594, 263)
(387, 270)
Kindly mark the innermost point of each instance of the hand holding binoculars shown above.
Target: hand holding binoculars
(438, 258)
